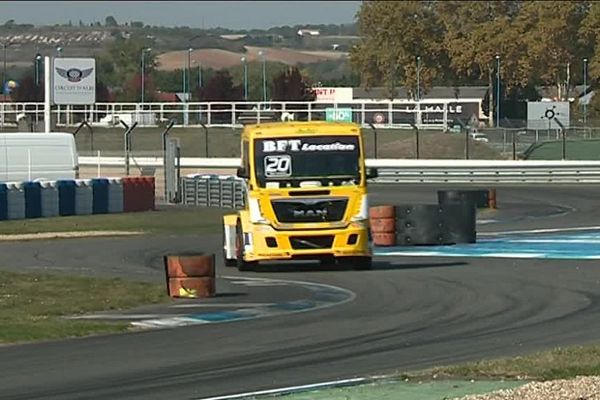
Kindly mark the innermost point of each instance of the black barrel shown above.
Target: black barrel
(421, 224)
(432, 224)
(460, 222)
(479, 197)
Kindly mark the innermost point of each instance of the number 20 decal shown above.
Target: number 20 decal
(278, 165)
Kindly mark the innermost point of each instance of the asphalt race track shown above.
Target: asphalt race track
(407, 313)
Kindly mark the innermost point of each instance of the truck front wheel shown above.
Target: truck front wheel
(357, 263)
(242, 265)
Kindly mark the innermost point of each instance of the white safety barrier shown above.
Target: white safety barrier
(115, 195)
(49, 194)
(83, 197)
(425, 171)
(15, 199)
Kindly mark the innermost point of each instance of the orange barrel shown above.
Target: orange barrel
(193, 288)
(383, 225)
(384, 239)
(382, 212)
(382, 221)
(190, 275)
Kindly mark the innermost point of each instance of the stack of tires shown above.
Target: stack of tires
(423, 224)
(382, 220)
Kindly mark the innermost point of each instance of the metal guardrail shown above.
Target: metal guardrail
(213, 191)
(427, 113)
(424, 171)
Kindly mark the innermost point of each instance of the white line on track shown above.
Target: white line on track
(217, 305)
(548, 230)
(291, 389)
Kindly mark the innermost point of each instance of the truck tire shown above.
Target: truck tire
(229, 262)
(362, 263)
(356, 263)
(241, 264)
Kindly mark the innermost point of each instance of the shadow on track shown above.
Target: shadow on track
(297, 267)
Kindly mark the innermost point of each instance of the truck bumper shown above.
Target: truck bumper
(263, 243)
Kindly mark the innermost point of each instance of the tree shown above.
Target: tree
(477, 32)
(123, 60)
(393, 35)
(220, 88)
(290, 85)
(27, 91)
(589, 33)
(549, 30)
(110, 21)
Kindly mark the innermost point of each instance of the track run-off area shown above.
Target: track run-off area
(531, 282)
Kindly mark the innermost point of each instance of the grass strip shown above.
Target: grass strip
(558, 363)
(175, 220)
(34, 306)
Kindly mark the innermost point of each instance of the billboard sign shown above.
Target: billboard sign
(333, 94)
(74, 81)
(542, 114)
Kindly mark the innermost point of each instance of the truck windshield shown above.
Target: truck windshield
(289, 161)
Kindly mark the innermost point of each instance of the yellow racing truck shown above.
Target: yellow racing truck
(306, 188)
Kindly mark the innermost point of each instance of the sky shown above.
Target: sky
(195, 14)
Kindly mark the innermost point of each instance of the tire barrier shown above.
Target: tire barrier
(115, 195)
(33, 199)
(3, 202)
(482, 198)
(190, 275)
(66, 197)
(213, 191)
(19, 200)
(99, 196)
(138, 193)
(83, 197)
(49, 199)
(15, 200)
(423, 224)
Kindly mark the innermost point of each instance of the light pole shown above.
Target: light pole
(585, 60)
(264, 74)
(199, 75)
(144, 51)
(189, 73)
(4, 45)
(38, 60)
(245, 78)
(418, 78)
(497, 91)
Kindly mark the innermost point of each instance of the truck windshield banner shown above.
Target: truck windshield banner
(307, 158)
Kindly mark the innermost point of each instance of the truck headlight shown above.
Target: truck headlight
(256, 216)
(363, 212)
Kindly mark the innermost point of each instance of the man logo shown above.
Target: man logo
(74, 74)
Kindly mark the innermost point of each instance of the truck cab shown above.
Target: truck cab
(306, 188)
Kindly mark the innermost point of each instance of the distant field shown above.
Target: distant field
(217, 59)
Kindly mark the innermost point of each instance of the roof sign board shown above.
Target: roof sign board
(338, 114)
(333, 94)
(74, 81)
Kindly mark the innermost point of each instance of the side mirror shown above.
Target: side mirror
(242, 173)
(372, 173)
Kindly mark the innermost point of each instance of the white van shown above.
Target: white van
(37, 156)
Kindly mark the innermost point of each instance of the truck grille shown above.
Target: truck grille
(299, 210)
(311, 242)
